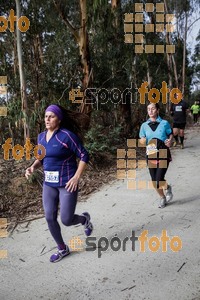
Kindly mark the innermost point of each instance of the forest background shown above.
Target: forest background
(81, 45)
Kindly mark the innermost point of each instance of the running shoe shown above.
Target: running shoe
(169, 194)
(162, 203)
(174, 144)
(60, 254)
(88, 225)
(182, 146)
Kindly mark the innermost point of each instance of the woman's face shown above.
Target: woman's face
(152, 110)
(51, 121)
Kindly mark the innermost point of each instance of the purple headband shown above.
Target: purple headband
(56, 110)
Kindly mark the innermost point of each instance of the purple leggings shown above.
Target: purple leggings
(68, 200)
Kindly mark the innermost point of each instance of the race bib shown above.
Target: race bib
(51, 176)
(151, 149)
(178, 108)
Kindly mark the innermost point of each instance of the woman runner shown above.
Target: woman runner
(61, 174)
(157, 134)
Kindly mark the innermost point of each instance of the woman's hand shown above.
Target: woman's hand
(29, 171)
(142, 141)
(168, 142)
(72, 184)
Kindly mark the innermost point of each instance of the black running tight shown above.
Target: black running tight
(158, 175)
(51, 198)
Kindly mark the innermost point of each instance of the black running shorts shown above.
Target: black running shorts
(179, 125)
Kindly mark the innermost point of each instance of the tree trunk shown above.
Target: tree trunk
(169, 41)
(184, 53)
(22, 76)
(169, 65)
(84, 54)
(37, 58)
(149, 77)
(15, 55)
(125, 108)
(11, 132)
(81, 38)
(114, 3)
(40, 51)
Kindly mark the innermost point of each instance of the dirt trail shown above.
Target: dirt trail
(115, 210)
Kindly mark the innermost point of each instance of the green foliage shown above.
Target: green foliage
(100, 140)
(195, 97)
(33, 178)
